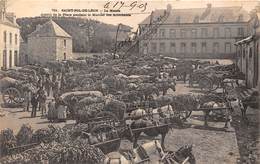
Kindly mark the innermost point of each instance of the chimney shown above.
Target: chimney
(258, 7)
(207, 11)
(209, 5)
(2, 9)
(11, 17)
(253, 13)
(169, 8)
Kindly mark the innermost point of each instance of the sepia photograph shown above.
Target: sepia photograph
(129, 81)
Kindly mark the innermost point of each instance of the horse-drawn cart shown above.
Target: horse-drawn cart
(13, 91)
(212, 77)
(215, 105)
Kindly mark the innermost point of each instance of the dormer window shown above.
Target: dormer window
(221, 18)
(240, 18)
(196, 19)
(178, 19)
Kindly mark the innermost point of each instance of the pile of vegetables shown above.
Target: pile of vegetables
(50, 134)
(76, 130)
(24, 136)
(114, 83)
(77, 151)
(88, 111)
(116, 107)
(7, 140)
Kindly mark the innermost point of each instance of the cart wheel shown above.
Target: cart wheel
(12, 96)
(182, 113)
(99, 130)
(103, 133)
(205, 84)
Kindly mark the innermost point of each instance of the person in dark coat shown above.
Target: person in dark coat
(72, 106)
(42, 100)
(52, 116)
(47, 85)
(55, 88)
(39, 82)
(34, 103)
(27, 99)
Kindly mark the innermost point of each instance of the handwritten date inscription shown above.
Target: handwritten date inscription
(117, 5)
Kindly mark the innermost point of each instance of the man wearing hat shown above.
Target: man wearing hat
(34, 102)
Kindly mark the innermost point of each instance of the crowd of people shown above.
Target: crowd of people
(45, 97)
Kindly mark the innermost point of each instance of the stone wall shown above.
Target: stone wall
(41, 49)
(62, 49)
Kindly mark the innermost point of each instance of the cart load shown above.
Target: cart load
(21, 74)
(7, 140)
(97, 109)
(114, 84)
(212, 77)
(7, 82)
(80, 95)
(38, 68)
(13, 91)
(25, 134)
(55, 66)
(76, 151)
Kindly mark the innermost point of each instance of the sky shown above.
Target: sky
(31, 8)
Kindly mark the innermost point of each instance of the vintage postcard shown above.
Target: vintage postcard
(129, 81)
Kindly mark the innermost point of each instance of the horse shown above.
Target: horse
(182, 155)
(151, 152)
(147, 152)
(142, 126)
(165, 85)
(147, 89)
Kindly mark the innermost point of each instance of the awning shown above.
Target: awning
(246, 40)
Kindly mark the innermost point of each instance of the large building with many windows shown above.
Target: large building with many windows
(208, 32)
(9, 38)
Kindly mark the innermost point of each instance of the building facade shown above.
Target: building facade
(9, 39)
(196, 33)
(248, 52)
(49, 42)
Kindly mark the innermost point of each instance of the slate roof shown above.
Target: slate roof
(202, 15)
(49, 29)
(9, 23)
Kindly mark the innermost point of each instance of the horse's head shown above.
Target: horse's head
(184, 152)
(172, 85)
(156, 91)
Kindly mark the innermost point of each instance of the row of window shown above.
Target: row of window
(10, 38)
(10, 55)
(193, 46)
(195, 33)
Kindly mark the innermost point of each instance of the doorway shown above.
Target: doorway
(4, 60)
(256, 65)
(64, 56)
(10, 59)
(246, 74)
